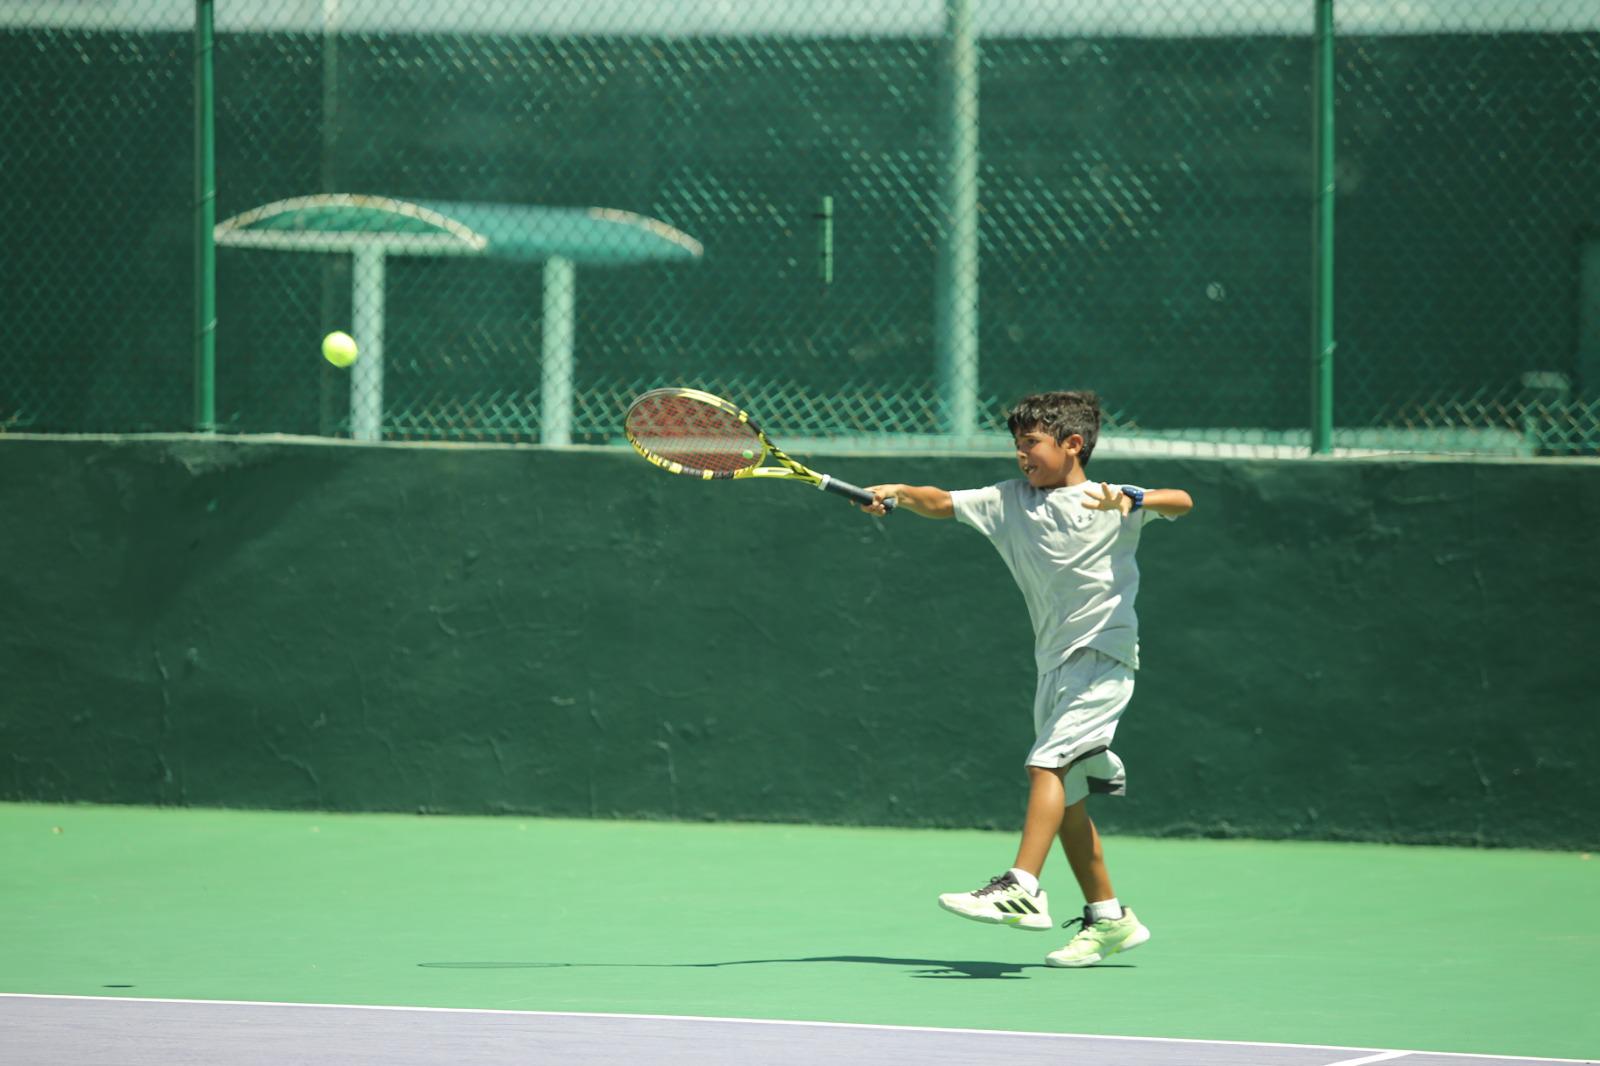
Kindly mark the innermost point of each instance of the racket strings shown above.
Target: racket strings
(693, 433)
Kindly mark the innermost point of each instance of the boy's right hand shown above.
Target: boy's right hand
(879, 494)
(927, 501)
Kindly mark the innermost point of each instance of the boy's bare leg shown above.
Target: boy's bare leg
(1045, 800)
(1101, 935)
(1005, 900)
(1082, 845)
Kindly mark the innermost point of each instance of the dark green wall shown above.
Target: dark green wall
(1373, 650)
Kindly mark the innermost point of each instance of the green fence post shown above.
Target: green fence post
(825, 241)
(1322, 238)
(205, 220)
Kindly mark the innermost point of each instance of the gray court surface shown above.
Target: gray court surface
(94, 1031)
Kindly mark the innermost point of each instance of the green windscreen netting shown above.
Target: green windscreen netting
(902, 216)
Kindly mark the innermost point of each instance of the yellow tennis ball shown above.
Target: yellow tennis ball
(339, 348)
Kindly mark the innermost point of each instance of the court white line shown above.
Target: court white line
(1385, 1057)
(1380, 1053)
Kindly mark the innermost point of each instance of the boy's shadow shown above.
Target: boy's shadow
(926, 969)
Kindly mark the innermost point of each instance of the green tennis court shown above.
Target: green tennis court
(1488, 952)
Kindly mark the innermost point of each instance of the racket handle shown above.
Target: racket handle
(851, 492)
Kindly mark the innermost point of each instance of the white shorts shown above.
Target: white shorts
(1075, 715)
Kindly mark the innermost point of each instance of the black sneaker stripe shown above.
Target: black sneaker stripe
(1016, 906)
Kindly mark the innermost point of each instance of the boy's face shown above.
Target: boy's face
(1046, 462)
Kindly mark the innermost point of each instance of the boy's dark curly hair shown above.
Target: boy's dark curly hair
(1061, 414)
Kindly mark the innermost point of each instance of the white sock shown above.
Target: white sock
(1029, 882)
(1104, 909)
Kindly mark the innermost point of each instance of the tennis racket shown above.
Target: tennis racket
(696, 434)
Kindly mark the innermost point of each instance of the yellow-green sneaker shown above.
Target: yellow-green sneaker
(1098, 941)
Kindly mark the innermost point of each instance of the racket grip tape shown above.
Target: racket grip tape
(851, 492)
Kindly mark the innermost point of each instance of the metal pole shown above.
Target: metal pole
(1322, 229)
(556, 359)
(956, 295)
(333, 267)
(366, 316)
(205, 221)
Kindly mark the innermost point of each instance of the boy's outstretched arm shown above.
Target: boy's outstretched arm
(925, 500)
(1169, 503)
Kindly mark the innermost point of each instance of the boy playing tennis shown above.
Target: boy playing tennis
(1070, 544)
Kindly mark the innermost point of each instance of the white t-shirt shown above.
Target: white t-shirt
(1075, 566)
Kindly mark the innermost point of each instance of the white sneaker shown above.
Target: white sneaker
(1001, 902)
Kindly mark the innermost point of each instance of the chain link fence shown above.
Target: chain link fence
(878, 220)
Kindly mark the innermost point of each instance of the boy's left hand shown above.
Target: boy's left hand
(1107, 498)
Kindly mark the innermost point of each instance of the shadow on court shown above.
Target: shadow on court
(937, 969)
